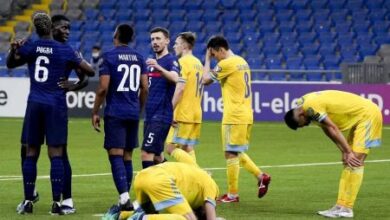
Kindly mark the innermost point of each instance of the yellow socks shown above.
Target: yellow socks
(350, 182)
(233, 171)
(341, 198)
(248, 164)
(193, 155)
(165, 217)
(182, 156)
(355, 181)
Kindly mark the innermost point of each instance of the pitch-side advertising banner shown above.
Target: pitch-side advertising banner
(270, 100)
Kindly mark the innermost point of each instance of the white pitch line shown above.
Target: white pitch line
(10, 178)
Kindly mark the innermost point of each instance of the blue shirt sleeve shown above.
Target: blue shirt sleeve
(24, 50)
(144, 67)
(104, 68)
(73, 56)
(174, 66)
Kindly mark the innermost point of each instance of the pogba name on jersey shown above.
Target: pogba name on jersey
(44, 50)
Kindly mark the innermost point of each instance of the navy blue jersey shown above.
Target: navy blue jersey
(48, 61)
(124, 66)
(159, 101)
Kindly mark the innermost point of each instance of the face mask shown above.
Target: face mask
(95, 54)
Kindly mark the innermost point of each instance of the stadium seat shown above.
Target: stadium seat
(374, 4)
(295, 63)
(176, 5)
(140, 5)
(231, 26)
(210, 4)
(178, 26)
(265, 15)
(2, 59)
(377, 15)
(284, 15)
(4, 72)
(247, 15)
(251, 38)
(287, 27)
(354, 4)
(267, 27)
(194, 15)
(304, 26)
(265, 4)
(228, 4)
(245, 4)
(74, 4)
(160, 16)
(107, 4)
(312, 63)
(249, 27)
(282, 4)
(338, 4)
(195, 26)
(177, 15)
(303, 15)
(91, 14)
(92, 26)
(193, 5)
(229, 15)
(90, 4)
(318, 4)
(210, 15)
(270, 50)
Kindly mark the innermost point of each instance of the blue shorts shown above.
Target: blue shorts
(155, 134)
(42, 120)
(120, 133)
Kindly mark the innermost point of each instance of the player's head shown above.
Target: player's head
(296, 118)
(218, 47)
(184, 42)
(159, 38)
(123, 34)
(42, 24)
(60, 28)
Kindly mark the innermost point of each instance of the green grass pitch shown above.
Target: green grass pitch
(296, 192)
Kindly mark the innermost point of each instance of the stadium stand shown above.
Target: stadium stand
(272, 34)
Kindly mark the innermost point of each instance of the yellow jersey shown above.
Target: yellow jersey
(195, 184)
(343, 108)
(234, 75)
(189, 107)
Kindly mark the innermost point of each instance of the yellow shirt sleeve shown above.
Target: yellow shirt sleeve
(223, 70)
(314, 109)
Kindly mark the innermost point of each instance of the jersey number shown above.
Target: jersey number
(133, 74)
(199, 85)
(41, 73)
(247, 86)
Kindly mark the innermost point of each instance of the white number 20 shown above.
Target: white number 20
(41, 73)
(133, 74)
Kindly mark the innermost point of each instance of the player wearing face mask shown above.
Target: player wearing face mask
(96, 59)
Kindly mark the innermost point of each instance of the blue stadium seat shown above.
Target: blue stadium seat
(178, 26)
(374, 4)
(249, 26)
(284, 15)
(254, 62)
(322, 27)
(299, 4)
(306, 37)
(318, 4)
(236, 47)
(359, 15)
(210, 4)
(338, 4)
(210, 15)
(107, 26)
(3, 58)
(304, 26)
(245, 4)
(107, 4)
(350, 58)
(177, 15)
(309, 50)
(212, 26)
(367, 50)
(194, 15)
(332, 63)
(195, 26)
(377, 15)
(142, 26)
(271, 50)
(342, 27)
(267, 27)
(247, 15)
(233, 36)
(273, 62)
(158, 5)
(282, 4)
(265, 4)
(303, 14)
(361, 27)
(142, 15)
(290, 51)
(75, 35)
(287, 27)
(328, 49)
(140, 5)
(229, 15)
(91, 26)
(382, 38)
(295, 63)
(123, 16)
(380, 27)
(265, 15)
(321, 15)
(228, 4)
(18, 72)
(271, 38)
(327, 37)
(312, 63)
(339, 16)
(160, 16)
(288, 38)
(193, 5)
(91, 14)
(124, 5)
(4, 72)
(354, 4)
(176, 5)
(76, 26)
(251, 38)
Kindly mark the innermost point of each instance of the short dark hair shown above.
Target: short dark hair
(160, 29)
(42, 24)
(217, 41)
(97, 47)
(125, 33)
(58, 18)
(188, 37)
(290, 121)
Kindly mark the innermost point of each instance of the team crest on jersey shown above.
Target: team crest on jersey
(151, 69)
(175, 63)
(299, 101)
(217, 69)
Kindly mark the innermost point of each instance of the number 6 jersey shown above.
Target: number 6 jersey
(48, 61)
(124, 66)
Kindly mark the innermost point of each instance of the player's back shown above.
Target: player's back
(194, 183)
(159, 101)
(189, 108)
(125, 66)
(344, 109)
(235, 78)
(48, 61)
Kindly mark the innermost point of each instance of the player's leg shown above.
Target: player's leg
(34, 134)
(131, 144)
(177, 140)
(243, 133)
(55, 153)
(67, 205)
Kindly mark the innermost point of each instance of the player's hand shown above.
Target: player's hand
(65, 84)
(153, 63)
(96, 122)
(174, 124)
(208, 53)
(352, 161)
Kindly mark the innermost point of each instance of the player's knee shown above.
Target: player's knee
(147, 156)
(55, 151)
(187, 148)
(32, 151)
(170, 148)
(231, 154)
(115, 151)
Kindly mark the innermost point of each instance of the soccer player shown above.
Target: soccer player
(122, 77)
(234, 75)
(46, 113)
(336, 112)
(60, 32)
(163, 76)
(181, 191)
(185, 130)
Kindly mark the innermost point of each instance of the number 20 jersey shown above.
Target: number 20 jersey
(124, 66)
(235, 78)
(48, 61)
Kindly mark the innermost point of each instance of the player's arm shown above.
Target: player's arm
(85, 68)
(210, 211)
(209, 76)
(101, 93)
(171, 76)
(74, 86)
(144, 90)
(334, 133)
(179, 90)
(13, 58)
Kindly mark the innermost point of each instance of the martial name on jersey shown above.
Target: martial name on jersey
(44, 50)
(128, 57)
